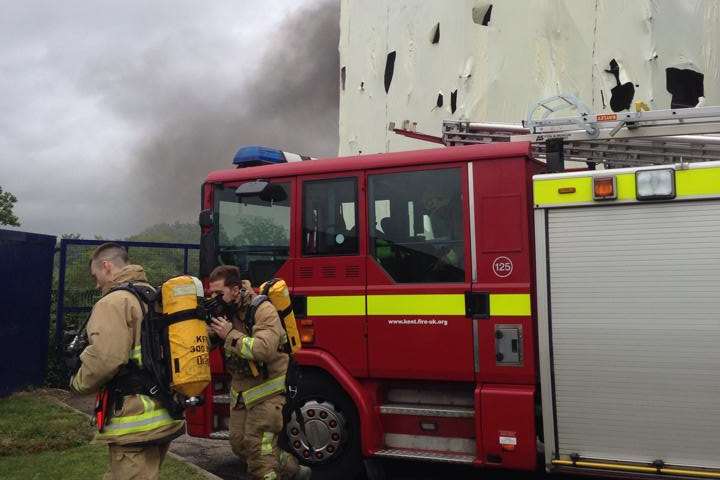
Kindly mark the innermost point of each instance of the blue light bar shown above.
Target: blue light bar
(258, 155)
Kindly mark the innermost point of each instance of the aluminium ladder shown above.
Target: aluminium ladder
(622, 139)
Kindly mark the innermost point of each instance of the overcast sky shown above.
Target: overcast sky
(112, 113)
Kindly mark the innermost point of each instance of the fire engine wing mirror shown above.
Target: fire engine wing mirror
(266, 191)
(206, 218)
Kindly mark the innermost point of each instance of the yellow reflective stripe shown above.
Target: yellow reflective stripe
(128, 419)
(442, 304)
(697, 182)
(136, 354)
(246, 350)
(148, 404)
(266, 445)
(336, 305)
(625, 186)
(234, 394)
(427, 304)
(137, 423)
(117, 430)
(264, 390)
(510, 304)
(545, 192)
(689, 183)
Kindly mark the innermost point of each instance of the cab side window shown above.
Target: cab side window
(329, 218)
(416, 225)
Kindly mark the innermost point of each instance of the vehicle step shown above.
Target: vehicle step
(220, 435)
(222, 399)
(425, 455)
(427, 410)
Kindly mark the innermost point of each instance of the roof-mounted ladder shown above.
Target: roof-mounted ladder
(615, 140)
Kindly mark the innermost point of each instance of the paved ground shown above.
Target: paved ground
(216, 457)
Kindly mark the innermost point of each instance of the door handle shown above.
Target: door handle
(299, 305)
(477, 305)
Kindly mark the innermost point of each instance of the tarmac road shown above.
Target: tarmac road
(216, 457)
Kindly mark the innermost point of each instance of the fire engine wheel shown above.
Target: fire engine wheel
(329, 438)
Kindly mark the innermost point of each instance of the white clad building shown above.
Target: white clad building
(424, 61)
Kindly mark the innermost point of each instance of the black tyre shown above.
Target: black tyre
(328, 437)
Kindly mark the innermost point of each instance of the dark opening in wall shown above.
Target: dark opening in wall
(436, 34)
(453, 101)
(439, 101)
(389, 70)
(482, 14)
(621, 94)
(342, 78)
(685, 86)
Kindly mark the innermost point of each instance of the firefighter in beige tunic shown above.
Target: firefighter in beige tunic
(138, 433)
(258, 370)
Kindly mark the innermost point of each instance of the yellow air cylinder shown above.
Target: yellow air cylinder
(279, 295)
(188, 338)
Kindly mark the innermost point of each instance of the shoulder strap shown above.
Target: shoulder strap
(145, 294)
(268, 286)
(258, 300)
(250, 314)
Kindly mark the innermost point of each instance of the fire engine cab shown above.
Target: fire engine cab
(464, 305)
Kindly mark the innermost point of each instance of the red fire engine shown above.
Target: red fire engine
(455, 309)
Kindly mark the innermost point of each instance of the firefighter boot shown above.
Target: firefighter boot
(304, 473)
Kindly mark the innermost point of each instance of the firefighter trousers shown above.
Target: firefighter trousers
(253, 437)
(131, 462)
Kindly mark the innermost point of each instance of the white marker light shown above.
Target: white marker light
(655, 184)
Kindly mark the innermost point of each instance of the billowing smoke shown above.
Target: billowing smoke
(289, 100)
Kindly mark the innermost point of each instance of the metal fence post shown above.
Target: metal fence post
(185, 262)
(60, 313)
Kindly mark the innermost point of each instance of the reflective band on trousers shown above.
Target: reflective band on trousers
(255, 394)
(266, 445)
(234, 394)
(246, 350)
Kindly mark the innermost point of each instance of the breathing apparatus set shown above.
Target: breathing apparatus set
(173, 362)
(274, 291)
(172, 365)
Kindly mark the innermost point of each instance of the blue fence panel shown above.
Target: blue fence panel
(26, 266)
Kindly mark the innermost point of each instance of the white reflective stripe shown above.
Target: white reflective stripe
(271, 387)
(246, 350)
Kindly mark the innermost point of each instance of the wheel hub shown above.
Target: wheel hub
(323, 434)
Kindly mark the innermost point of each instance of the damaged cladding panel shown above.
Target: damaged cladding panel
(495, 59)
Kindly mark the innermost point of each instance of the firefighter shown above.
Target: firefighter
(138, 431)
(258, 370)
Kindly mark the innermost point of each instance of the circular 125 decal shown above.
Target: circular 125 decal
(502, 267)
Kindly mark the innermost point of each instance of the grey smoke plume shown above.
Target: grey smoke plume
(195, 124)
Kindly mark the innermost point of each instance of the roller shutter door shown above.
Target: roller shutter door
(635, 328)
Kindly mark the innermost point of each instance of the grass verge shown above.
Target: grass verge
(40, 439)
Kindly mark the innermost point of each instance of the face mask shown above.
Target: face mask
(218, 307)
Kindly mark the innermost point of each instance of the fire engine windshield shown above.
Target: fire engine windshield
(253, 233)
